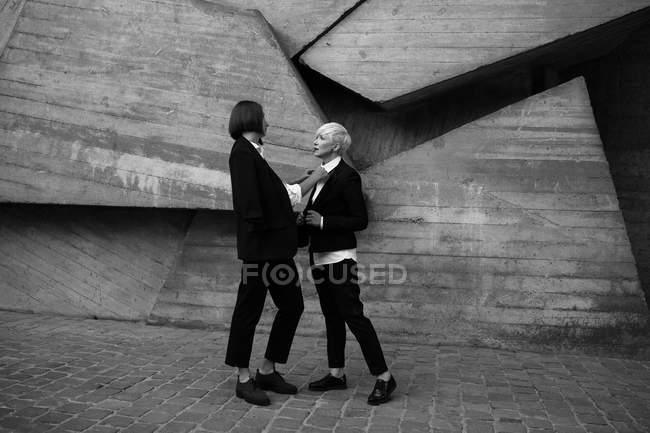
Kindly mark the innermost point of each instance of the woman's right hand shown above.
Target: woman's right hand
(319, 173)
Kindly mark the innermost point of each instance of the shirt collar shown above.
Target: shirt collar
(332, 164)
(257, 147)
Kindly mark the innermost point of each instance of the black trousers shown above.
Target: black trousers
(338, 293)
(281, 279)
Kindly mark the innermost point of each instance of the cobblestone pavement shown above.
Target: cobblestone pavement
(61, 374)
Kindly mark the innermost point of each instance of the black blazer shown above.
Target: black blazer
(343, 208)
(266, 224)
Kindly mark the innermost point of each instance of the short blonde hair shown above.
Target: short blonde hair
(338, 134)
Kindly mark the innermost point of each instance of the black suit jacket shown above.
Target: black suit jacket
(266, 224)
(343, 208)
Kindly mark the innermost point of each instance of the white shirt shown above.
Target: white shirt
(329, 257)
(294, 191)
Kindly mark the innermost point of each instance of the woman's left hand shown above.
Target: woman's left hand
(300, 219)
(312, 218)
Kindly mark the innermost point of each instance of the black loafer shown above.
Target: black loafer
(329, 382)
(383, 390)
(251, 393)
(275, 382)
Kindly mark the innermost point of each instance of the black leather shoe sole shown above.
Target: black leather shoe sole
(327, 388)
(313, 387)
(286, 391)
(255, 401)
(379, 401)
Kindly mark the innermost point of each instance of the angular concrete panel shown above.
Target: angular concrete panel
(390, 48)
(87, 261)
(510, 222)
(138, 116)
(297, 23)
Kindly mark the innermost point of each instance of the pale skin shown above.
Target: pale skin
(306, 183)
(326, 149)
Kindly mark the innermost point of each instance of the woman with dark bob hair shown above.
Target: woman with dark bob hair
(266, 244)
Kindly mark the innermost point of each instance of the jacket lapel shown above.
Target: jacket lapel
(310, 202)
(260, 158)
(329, 183)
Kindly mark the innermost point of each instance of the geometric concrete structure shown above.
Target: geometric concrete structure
(385, 49)
(508, 224)
(127, 103)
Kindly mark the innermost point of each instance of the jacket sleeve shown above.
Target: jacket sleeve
(245, 190)
(357, 217)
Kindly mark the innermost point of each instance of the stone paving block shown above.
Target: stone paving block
(622, 427)
(356, 423)
(113, 404)
(476, 415)
(133, 411)
(31, 412)
(343, 429)
(202, 408)
(259, 423)
(78, 424)
(591, 419)
(17, 403)
(321, 421)
(177, 427)
(194, 393)
(299, 414)
(118, 421)
(216, 424)
(53, 417)
(128, 396)
(147, 402)
(73, 408)
(538, 423)
(140, 428)
(591, 428)
(287, 423)
(509, 427)
(191, 417)
(95, 413)
(13, 422)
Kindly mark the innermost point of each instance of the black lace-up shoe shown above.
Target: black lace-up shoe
(251, 392)
(383, 390)
(275, 382)
(329, 382)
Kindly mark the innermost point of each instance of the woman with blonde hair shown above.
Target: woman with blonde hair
(335, 210)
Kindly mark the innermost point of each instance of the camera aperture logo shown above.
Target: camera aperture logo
(285, 273)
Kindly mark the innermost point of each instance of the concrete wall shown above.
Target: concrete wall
(297, 23)
(508, 225)
(619, 85)
(511, 220)
(380, 134)
(386, 49)
(87, 261)
(140, 117)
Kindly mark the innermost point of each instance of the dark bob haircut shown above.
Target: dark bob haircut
(246, 116)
